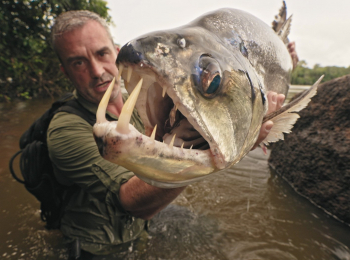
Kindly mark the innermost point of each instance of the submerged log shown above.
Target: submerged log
(315, 157)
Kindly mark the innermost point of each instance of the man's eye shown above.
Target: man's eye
(78, 63)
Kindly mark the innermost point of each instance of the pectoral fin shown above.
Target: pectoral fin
(284, 119)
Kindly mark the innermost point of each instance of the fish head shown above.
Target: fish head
(197, 88)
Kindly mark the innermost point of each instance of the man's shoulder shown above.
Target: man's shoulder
(67, 118)
(72, 110)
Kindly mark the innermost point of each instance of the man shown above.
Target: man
(109, 206)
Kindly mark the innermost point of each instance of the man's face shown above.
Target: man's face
(88, 59)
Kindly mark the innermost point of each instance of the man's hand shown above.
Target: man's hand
(275, 102)
(293, 54)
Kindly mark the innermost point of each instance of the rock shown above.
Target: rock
(315, 157)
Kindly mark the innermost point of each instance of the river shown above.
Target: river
(246, 212)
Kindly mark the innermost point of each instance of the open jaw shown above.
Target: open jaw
(173, 152)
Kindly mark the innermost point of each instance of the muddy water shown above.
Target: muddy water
(246, 212)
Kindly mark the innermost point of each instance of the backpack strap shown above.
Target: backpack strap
(74, 107)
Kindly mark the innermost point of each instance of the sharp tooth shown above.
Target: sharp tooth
(126, 85)
(172, 141)
(120, 68)
(164, 91)
(125, 115)
(153, 135)
(129, 74)
(102, 107)
(172, 116)
(182, 146)
(191, 147)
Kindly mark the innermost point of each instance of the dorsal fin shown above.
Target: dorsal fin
(280, 18)
(281, 25)
(285, 30)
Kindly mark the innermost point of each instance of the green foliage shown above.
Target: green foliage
(302, 75)
(28, 64)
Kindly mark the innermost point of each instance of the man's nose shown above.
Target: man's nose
(96, 69)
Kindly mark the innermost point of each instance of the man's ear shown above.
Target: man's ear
(63, 70)
(117, 48)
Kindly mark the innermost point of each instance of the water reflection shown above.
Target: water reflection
(243, 213)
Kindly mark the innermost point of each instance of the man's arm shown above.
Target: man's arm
(143, 200)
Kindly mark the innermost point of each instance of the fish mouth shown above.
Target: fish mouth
(160, 108)
(173, 152)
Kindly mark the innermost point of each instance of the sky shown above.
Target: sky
(320, 28)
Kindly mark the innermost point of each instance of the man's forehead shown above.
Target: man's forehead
(91, 35)
(89, 29)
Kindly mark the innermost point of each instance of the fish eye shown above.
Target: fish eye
(181, 42)
(214, 85)
(210, 76)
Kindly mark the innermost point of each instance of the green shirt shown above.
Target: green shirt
(94, 213)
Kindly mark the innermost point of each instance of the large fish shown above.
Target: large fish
(200, 91)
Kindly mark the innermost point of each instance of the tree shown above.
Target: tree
(302, 75)
(28, 64)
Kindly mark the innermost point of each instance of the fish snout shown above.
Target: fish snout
(128, 53)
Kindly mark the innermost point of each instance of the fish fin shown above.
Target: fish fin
(285, 30)
(281, 25)
(280, 18)
(282, 123)
(284, 119)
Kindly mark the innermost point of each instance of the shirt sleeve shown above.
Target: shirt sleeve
(76, 158)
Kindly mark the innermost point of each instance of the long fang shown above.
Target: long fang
(120, 68)
(125, 115)
(153, 135)
(172, 141)
(129, 74)
(102, 107)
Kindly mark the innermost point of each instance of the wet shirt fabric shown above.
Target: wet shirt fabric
(94, 214)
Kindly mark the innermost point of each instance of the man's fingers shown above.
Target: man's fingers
(272, 102)
(280, 101)
(264, 131)
(275, 102)
(293, 54)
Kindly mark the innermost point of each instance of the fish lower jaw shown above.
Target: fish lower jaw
(102, 129)
(157, 105)
(155, 162)
(218, 159)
